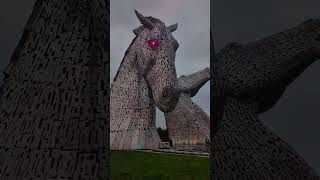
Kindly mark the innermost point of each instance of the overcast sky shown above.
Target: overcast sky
(295, 118)
(193, 35)
(13, 17)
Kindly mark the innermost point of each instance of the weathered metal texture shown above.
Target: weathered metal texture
(255, 76)
(188, 125)
(145, 78)
(54, 103)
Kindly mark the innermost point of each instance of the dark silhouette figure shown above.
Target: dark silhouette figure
(254, 77)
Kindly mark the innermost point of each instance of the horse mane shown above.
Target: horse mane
(124, 57)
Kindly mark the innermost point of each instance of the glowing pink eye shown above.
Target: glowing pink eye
(153, 43)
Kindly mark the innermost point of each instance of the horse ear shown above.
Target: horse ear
(138, 30)
(144, 21)
(173, 27)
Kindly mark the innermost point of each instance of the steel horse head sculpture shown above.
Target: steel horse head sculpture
(145, 79)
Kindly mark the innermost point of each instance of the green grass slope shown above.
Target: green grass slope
(134, 165)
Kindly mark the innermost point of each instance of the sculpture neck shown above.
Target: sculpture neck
(132, 110)
(244, 141)
(240, 111)
(133, 86)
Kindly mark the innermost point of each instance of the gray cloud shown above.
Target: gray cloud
(192, 35)
(12, 20)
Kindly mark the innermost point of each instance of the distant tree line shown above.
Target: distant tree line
(163, 133)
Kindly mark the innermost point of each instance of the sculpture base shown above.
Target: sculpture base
(134, 140)
(198, 147)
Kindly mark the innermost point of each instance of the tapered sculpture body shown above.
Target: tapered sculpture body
(53, 104)
(255, 76)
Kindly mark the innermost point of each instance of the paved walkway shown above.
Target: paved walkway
(172, 151)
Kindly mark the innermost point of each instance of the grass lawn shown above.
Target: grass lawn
(134, 165)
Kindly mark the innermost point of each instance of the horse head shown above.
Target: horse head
(261, 71)
(155, 56)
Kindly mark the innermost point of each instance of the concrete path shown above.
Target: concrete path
(172, 151)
